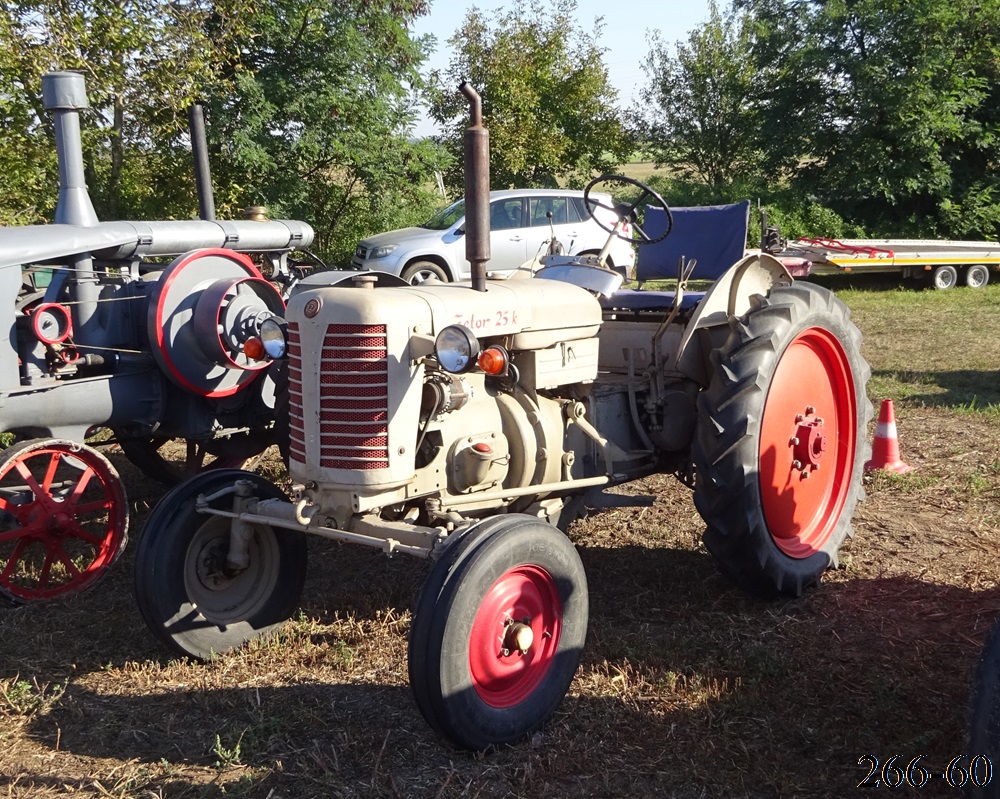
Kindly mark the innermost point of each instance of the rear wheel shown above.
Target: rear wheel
(420, 271)
(189, 596)
(984, 722)
(977, 276)
(498, 632)
(780, 443)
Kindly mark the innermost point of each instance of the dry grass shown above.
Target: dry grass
(688, 688)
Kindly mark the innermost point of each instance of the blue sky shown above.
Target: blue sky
(624, 34)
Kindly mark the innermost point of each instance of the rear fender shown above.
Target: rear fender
(730, 297)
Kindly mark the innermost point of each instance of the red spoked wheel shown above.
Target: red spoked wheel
(498, 632)
(63, 519)
(779, 449)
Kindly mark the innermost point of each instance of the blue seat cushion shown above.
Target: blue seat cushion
(634, 300)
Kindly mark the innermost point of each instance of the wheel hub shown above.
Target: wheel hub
(212, 573)
(518, 637)
(809, 443)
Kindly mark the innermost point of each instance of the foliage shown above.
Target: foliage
(698, 113)
(309, 107)
(546, 97)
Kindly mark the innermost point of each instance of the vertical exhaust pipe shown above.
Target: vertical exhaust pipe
(202, 170)
(477, 189)
(65, 95)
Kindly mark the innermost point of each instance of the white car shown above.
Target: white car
(519, 230)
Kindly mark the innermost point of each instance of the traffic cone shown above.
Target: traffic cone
(885, 447)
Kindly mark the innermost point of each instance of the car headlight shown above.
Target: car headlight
(383, 251)
(273, 337)
(456, 348)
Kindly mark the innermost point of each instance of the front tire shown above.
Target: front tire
(779, 448)
(186, 594)
(420, 271)
(498, 632)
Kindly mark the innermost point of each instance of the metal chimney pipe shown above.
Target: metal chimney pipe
(202, 170)
(477, 189)
(65, 95)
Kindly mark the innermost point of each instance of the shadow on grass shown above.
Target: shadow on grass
(963, 389)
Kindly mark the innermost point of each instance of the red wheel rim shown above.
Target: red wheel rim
(808, 441)
(502, 675)
(63, 523)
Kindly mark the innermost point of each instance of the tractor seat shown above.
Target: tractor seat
(635, 300)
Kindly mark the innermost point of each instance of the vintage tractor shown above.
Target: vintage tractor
(466, 423)
(102, 331)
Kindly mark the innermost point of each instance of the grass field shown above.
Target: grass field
(688, 688)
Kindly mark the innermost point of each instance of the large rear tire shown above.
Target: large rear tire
(984, 719)
(185, 592)
(780, 444)
(498, 632)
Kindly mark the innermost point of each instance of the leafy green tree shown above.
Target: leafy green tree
(546, 97)
(308, 108)
(699, 113)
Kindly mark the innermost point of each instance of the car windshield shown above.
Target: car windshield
(443, 220)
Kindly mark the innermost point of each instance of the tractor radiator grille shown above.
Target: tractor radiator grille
(296, 426)
(354, 396)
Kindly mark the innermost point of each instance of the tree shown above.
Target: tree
(308, 107)
(546, 97)
(699, 114)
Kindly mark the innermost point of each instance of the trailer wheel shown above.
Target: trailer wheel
(498, 632)
(977, 276)
(63, 519)
(186, 593)
(944, 277)
(984, 720)
(780, 443)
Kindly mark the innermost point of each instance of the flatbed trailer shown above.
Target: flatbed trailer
(942, 264)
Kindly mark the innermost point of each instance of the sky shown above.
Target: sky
(624, 34)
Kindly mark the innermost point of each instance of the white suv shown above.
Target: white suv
(519, 230)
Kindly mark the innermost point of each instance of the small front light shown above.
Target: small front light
(456, 348)
(383, 251)
(253, 348)
(273, 338)
(493, 360)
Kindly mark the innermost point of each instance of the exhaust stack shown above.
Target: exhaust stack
(202, 170)
(477, 189)
(65, 95)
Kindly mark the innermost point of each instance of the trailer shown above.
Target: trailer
(940, 264)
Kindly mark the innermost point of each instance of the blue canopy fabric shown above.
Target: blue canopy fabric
(715, 235)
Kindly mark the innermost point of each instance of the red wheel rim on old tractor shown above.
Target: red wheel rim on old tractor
(64, 519)
(808, 442)
(521, 609)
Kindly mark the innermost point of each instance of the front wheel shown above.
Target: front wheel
(187, 593)
(498, 632)
(420, 271)
(779, 447)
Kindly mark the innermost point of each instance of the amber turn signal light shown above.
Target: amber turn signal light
(493, 360)
(253, 348)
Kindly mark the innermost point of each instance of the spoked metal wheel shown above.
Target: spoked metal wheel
(780, 444)
(498, 632)
(189, 595)
(171, 460)
(63, 519)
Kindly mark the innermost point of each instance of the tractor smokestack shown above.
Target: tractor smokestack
(202, 170)
(65, 95)
(477, 189)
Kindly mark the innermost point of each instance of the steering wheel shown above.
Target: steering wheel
(634, 213)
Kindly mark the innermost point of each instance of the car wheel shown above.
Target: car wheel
(419, 271)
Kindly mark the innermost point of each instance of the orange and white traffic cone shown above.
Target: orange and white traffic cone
(885, 447)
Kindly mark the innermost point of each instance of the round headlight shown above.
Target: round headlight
(456, 348)
(272, 334)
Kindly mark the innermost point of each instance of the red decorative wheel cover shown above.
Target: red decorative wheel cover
(524, 592)
(814, 375)
(62, 533)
